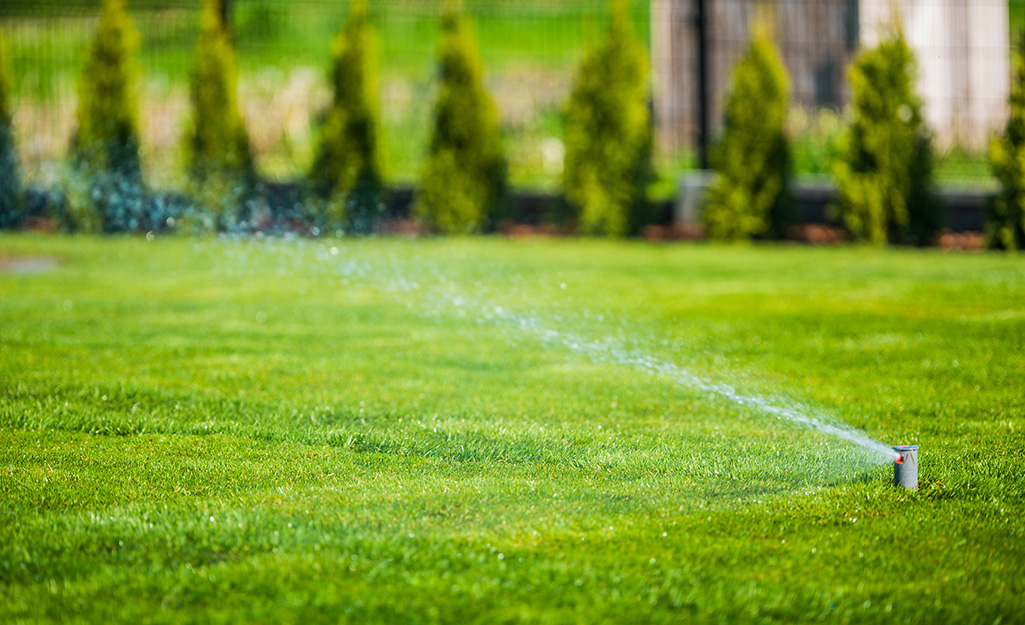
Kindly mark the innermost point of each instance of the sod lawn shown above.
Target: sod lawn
(496, 431)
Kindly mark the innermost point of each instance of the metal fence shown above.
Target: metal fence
(962, 49)
(530, 50)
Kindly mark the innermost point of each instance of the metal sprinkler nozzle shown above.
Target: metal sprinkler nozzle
(905, 466)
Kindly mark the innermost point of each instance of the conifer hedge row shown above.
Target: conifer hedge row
(609, 135)
(222, 181)
(345, 182)
(10, 179)
(104, 183)
(883, 171)
(1007, 154)
(749, 195)
(463, 179)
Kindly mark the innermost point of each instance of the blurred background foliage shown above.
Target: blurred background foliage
(464, 175)
(222, 177)
(10, 175)
(750, 195)
(104, 184)
(345, 180)
(608, 136)
(884, 169)
(530, 51)
(1007, 154)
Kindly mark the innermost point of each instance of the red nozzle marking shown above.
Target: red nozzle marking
(900, 459)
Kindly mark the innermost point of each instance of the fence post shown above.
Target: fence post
(224, 8)
(701, 28)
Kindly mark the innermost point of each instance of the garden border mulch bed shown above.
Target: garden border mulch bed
(536, 213)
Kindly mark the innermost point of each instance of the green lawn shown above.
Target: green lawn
(493, 431)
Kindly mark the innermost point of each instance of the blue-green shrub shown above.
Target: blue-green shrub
(609, 135)
(1006, 227)
(463, 179)
(750, 194)
(11, 199)
(105, 190)
(884, 170)
(345, 179)
(222, 178)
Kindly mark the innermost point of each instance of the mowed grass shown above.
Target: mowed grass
(409, 431)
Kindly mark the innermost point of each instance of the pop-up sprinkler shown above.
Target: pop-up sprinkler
(905, 466)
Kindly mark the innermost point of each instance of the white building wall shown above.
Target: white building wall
(964, 61)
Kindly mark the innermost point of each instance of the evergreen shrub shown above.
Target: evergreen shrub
(105, 189)
(463, 179)
(345, 179)
(1006, 227)
(750, 193)
(609, 135)
(11, 198)
(222, 180)
(884, 169)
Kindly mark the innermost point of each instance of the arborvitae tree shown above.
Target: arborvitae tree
(884, 170)
(222, 176)
(105, 189)
(10, 178)
(463, 179)
(1006, 227)
(346, 175)
(609, 134)
(750, 194)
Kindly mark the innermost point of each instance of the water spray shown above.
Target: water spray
(439, 293)
(905, 466)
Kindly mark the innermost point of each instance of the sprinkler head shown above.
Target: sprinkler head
(905, 466)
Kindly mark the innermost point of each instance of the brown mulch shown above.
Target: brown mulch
(817, 234)
(27, 265)
(961, 241)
